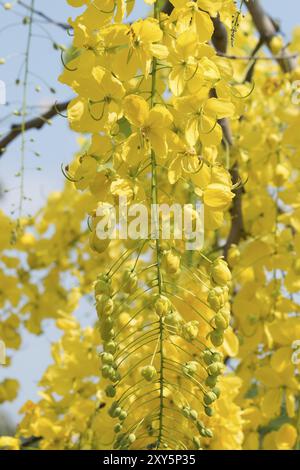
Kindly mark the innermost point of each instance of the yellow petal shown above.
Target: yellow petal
(136, 110)
(217, 196)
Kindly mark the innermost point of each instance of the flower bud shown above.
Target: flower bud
(149, 373)
(196, 442)
(209, 433)
(207, 357)
(107, 358)
(216, 391)
(211, 381)
(103, 285)
(129, 281)
(209, 398)
(190, 330)
(190, 368)
(118, 428)
(220, 273)
(162, 305)
(208, 411)
(104, 305)
(217, 337)
(173, 320)
(216, 298)
(110, 391)
(171, 262)
(220, 322)
(215, 368)
(186, 412)
(131, 438)
(110, 347)
(123, 415)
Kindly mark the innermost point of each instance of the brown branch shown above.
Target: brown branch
(250, 57)
(268, 29)
(35, 123)
(167, 8)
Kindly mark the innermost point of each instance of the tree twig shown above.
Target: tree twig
(268, 30)
(250, 57)
(34, 123)
(39, 13)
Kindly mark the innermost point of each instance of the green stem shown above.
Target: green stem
(154, 200)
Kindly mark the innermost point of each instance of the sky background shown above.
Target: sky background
(55, 144)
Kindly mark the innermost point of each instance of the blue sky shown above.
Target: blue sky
(55, 144)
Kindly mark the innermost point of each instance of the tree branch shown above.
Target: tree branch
(35, 123)
(267, 29)
(39, 13)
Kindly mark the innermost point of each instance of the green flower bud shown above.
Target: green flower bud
(129, 281)
(174, 320)
(118, 428)
(131, 438)
(220, 273)
(208, 411)
(211, 381)
(104, 305)
(196, 442)
(209, 398)
(215, 368)
(110, 347)
(216, 298)
(217, 357)
(114, 376)
(209, 433)
(194, 415)
(103, 285)
(113, 408)
(186, 412)
(107, 358)
(225, 312)
(207, 357)
(217, 337)
(106, 371)
(149, 373)
(110, 391)
(123, 415)
(162, 305)
(190, 368)
(190, 330)
(108, 322)
(220, 322)
(107, 335)
(216, 391)
(117, 412)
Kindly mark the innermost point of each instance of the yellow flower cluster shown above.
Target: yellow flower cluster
(177, 370)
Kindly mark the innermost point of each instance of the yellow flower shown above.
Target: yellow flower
(9, 443)
(151, 125)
